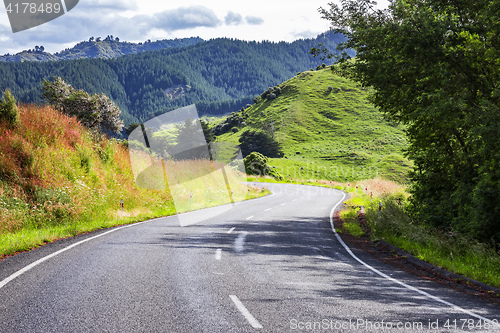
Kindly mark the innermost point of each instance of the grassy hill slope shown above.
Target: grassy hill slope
(328, 130)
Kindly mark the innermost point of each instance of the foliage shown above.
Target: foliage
(8, 109)
(256, 164)
(433, 66)
(452, 251)
(233, 120)
(96, 112)
(259, 141)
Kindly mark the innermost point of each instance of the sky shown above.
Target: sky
(138, 21)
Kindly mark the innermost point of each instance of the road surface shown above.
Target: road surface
(271, 264)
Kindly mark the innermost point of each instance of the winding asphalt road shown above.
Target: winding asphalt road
(271, 264)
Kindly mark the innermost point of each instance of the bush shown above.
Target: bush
(259, 141)
(96, 112)
(8, 109)
(256, 164)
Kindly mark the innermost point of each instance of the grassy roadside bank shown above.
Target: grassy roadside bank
(32, 237)
(451, 251)
(58, 180)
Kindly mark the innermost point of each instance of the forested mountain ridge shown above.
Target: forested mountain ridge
(219, 75)
(110, 47)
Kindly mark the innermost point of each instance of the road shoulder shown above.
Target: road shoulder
(404, 261)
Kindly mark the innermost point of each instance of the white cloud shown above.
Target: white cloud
(233, 18)
(132, 20)
(254, 20)
(186, 18)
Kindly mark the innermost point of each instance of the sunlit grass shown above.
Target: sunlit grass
(333, 135)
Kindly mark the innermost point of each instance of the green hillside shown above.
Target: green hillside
(328, 130)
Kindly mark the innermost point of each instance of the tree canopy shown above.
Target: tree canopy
(434, 66)
(8, 109)
(96, 112)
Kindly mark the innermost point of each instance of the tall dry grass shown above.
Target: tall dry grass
(55, 175)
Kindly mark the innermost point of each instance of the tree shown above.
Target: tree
(96, 112)
(256, 164)
(259, 141)
(207, 132)
(433, 65)
(8, 109)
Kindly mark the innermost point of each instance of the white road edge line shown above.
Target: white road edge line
(421, 292)
(244, 311)
(231, 230)
(23, 270)
(218, 254)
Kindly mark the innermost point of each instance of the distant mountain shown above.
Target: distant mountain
(110, 47)
(219, 76)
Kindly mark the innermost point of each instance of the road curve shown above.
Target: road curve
(271, 264)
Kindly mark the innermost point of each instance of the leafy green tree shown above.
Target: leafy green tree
(259, 141)
(256, 164)
(96, 112)
(433, 65)
(207, 131)
(8, 109)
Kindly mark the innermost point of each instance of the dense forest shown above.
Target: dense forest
(219, 75)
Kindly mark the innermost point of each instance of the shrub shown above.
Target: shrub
(259, 141)
(96, 112)
(256, 164)
(8, 109)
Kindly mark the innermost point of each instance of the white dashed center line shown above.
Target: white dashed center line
(218, 254)
(231, 230)
(244, 311)
(239, 242)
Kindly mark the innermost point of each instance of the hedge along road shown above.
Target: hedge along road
(272, 264)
